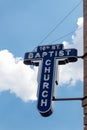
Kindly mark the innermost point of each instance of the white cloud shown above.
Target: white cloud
(17, 77)
(73, 72)
(22, 79)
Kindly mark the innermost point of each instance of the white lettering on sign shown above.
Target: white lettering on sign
(30, 55)
(46, 79)
(51, 53)
(48, 62)
(58, 46)
(53, 47)
(43, 102)
(37, 55)
(45, 85)
(44, 54)
(59, 53)
(45, 94)
(68, 52)
(47, 70)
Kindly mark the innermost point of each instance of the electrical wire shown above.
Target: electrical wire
(76, 6)
(66, 35)
(63, 36)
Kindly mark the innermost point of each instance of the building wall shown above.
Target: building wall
(85, 63)
(85, 46)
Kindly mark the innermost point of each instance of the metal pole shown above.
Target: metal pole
(84, 102)
(67, 99)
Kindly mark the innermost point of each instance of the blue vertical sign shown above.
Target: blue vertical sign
(48, 55)
(46, 86)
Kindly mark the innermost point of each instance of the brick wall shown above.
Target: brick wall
(85, 63)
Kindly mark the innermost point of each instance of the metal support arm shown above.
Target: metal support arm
(69, 99)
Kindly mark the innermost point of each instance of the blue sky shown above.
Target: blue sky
(23, 25)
